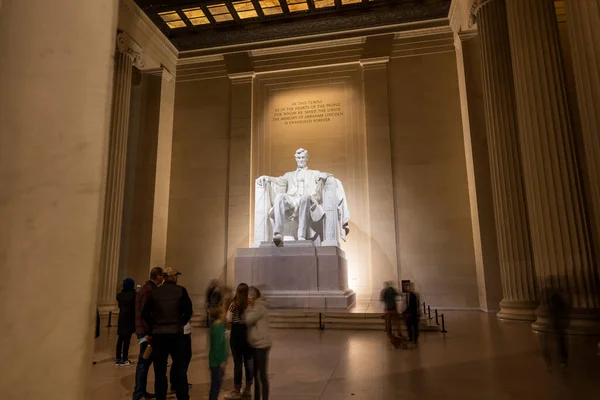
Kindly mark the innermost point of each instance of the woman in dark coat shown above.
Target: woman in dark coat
(126, 300)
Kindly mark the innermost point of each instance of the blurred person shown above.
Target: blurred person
(142, 331)
(97, 333)
(411, 314)
(257, 320)
(167, 310)
(556, 307)
(218, 352)
(126, 322)
(213, 298)
(388, 298)
(240, 349)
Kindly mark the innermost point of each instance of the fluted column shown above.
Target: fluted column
(128, 54)
(516, 261)
(54, 101)
(559, 229)
(583, 17)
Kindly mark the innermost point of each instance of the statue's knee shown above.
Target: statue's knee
(305, 199)
(278, 198)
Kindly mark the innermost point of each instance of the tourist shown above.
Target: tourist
(411, 313)
(218, 352)
(257, 320)
(126, 322)
(240, 350)
(390, 308)
(143, 331)
(213, 298)
(97, 333)
(167, 311)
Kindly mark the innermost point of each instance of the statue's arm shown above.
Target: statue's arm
(274, 180)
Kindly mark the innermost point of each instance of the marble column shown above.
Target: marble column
(127, 55)
(510, 208)
(382, 212)
(239, 179)
(583, 21)
(559, 228)
(162, 181)
(55, 82)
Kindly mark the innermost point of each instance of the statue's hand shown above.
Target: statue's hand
(323, 176)
(262, 180)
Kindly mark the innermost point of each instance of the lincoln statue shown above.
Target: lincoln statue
(298, 196)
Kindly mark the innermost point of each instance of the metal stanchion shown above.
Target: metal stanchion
(443, 325)
(321, 326)
(429, 312)
(424, 308)
(109, 319)
(437, 322)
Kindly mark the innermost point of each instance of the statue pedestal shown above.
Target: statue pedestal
(297, 275)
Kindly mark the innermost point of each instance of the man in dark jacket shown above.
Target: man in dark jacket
(143, 331)
(167, 310)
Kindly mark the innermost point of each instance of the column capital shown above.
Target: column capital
(126, 45)
(375, 62)
(475, 7)
(242, 77)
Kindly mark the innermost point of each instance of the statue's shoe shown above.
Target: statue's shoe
(278, 239)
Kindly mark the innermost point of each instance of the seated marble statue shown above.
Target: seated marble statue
(314, 200)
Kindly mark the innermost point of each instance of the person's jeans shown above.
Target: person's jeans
(187, 352)
(216, 379)
(141, 372)
(261, 381)
(162, 347)
(412, 324)
(123, 343)
(242, 356)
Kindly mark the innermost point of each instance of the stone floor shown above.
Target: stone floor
(480, 358)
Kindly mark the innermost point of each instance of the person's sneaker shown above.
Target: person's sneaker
(246, 392)
(126, 362)
(118, 362)
(233, 395)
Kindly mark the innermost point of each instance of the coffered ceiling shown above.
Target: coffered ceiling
(193, 25)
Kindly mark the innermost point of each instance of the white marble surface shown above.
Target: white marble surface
(299, 205)
(297, 276)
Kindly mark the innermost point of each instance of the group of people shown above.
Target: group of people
(160, 312)
(246, 322)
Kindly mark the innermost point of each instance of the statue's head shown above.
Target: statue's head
(301, 157)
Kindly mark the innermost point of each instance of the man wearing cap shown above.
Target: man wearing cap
(167, 311)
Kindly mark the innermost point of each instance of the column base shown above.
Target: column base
(517, 310)
(578, 322)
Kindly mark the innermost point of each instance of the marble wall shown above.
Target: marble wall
(428, 189)
(435, 241)
(198, 194)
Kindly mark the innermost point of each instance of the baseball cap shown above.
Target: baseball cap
(170, 271)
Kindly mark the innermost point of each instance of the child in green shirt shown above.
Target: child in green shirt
(218, 352)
